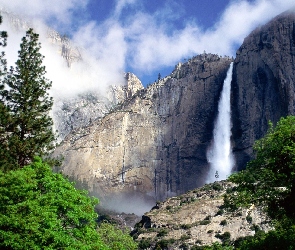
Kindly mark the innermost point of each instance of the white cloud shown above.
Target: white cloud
(44, 9)
(140, 41)
(153, 45)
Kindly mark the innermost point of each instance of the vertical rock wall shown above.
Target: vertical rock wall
(153, 144)
(263, 83)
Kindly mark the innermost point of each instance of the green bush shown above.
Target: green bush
(162, 232)
(249, 219)
(225, 237)
(205, 222)
(185, 226)
(216, 186)
(184, 246)
(184, 237)
(220, 212)
(277, 239)
(223, 223)
(162, 244)
(144, 244)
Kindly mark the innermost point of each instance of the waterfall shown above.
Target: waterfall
(219, 155)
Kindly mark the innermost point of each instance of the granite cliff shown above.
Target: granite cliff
(81, 110)
(153, 144)
(263, 83)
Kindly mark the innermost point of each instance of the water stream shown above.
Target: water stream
(219, 155)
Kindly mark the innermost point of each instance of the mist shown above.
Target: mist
(89, 73)
(124, 203)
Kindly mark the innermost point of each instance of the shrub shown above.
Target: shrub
(163, 244)
(186, 226)
(220, 212)
(205, 222)
(163, 232)
(249, 219)
(217, 187)
(144, 244)
(184, 237)
(184, 246)
(208, 217)
(223, 237)
(223, 223)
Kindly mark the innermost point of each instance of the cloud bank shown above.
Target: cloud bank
(132, 38)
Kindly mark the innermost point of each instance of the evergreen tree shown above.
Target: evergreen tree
(30, 131)
(159, 77)
(4, 114)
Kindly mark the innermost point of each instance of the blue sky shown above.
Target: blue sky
(145, 37)
(204, 13)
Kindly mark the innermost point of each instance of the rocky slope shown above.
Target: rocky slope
(263, 83)
(197, 218)
(153, 144)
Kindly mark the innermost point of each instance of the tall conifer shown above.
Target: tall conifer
(26, 96)
(4, 114)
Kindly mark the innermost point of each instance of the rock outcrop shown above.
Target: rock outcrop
(198, 218)
(263, 83)
(81, 110)
(154, 143)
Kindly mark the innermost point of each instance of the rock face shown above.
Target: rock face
(263, 83)
(197, 218)
(69, 114)
(154, 143)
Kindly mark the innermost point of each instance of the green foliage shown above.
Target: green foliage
(163, 232)
(185, 226)
(25, 96)
(184, 246)
(225, 237)
(185, 237)
(205, 222)
(220, 212)
(249, 219)
(169, 207)
(115, 238)
(162, 244)
(40, 209)
(223, 223)
(277, 239)
(4, 112)
(217, 187)
(144, 244)
(214, 246)
(269, 179)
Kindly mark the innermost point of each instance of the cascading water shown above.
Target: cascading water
(219, 155)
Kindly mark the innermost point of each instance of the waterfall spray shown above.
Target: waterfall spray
(219, 154)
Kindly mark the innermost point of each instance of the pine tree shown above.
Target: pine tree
(4, 114)
(30, 132)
